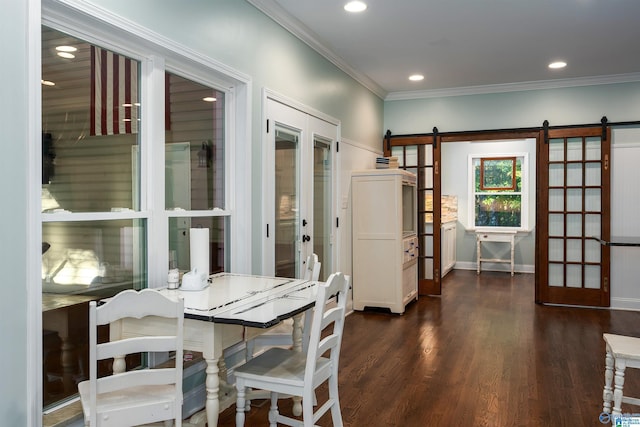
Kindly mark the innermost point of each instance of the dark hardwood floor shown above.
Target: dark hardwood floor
(483, 354)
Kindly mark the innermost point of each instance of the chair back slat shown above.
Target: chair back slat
(135, 345)
(142, 377)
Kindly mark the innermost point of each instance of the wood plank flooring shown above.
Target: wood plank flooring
(483, 354)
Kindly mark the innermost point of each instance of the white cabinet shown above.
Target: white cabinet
(448, 247)
(385, 243)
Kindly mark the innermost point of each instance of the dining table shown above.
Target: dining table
(219, 316)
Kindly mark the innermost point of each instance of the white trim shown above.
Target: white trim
(33, 255)
(290, 102)
(514, 87)
(632, 304)
(299, 30)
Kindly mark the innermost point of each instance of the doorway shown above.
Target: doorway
(299, 190)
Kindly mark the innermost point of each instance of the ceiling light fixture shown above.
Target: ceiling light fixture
(66, 55)
(416, 77)
(557, 64)
(47, 83)
(355, 6)
(209, 99)
(66, 49)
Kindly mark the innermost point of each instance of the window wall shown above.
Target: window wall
(122, 184)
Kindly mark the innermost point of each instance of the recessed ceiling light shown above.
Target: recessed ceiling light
(66, 49)
(558, 64)
(66, 55)
(355, 6)
(47, 83)
(209, 99)
(416, 77)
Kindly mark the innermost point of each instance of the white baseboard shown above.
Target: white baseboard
(632, 304)
(494, 266)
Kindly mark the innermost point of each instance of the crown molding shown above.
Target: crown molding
(302, 32)
(514, 87)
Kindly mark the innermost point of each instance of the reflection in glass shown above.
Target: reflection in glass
(286, 202)
(321, 238)
(89, 125)
(195, 119)
(179, 245)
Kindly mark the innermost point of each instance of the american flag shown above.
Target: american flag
(114, 93)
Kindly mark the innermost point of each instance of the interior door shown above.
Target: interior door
(573, 206)
(299, 189)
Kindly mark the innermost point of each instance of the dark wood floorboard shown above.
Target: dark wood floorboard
(483, 354)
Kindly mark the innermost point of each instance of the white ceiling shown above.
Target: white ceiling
(470, 46)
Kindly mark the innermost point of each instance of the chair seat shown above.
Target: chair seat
(280, 365)
(157, 399)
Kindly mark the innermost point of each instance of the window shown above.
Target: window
(498, 191)
(117, 207)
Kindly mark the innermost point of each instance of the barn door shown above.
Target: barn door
(573, 206)
(420, 155)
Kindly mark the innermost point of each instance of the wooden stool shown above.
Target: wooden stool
(623, 352)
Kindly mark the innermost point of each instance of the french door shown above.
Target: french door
(573, 206)
(298, 191)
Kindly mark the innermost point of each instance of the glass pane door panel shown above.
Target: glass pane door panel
(574, 225)
(574, 276)
(574, 199)
(286, 201)
(592, 225)
(556, 150)
(556, 250)
(592, 276)
(592, 251)
(556, 175)
(574, 250)
(411, 153)
(556, 275)
(556, 200)
(556, 225)
(593, 148)
(592, 200)
(593, 174)
(321, 238)
(574, 174)
(574, 149)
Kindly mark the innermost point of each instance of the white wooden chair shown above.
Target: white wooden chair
(139, 396)
(282, 334)
(286, 371)
(622, 352)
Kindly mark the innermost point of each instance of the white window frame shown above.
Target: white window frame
(524, 194)
(157, 55)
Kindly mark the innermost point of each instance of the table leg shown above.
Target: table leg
(212, 384)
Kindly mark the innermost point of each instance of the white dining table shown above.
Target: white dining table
(216, 318)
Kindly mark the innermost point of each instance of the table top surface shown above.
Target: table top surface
(248, 300)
